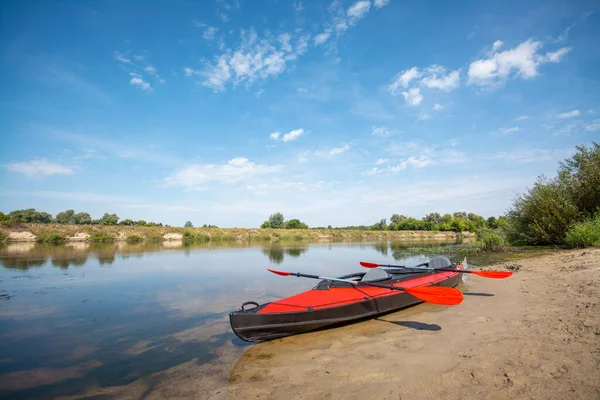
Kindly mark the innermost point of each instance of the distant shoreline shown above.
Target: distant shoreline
(55, 233)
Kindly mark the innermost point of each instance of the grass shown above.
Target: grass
(584, 234)
(134, 239)
(102, 237)
(51, 237)
(102, 233)
(490, 240)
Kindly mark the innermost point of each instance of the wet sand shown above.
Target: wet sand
(535, 335)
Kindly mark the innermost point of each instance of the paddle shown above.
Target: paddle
(485, 274)
(431, 294)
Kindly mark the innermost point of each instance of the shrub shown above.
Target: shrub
(3, 237)
(102, 237)
(51, 237)
(134, 239)
(490, 240)
(584, 234)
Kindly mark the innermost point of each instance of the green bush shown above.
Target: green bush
(3, 237)
(584, 234)
(134, 239)
(102, 237)
(490, 240)
(52, 237)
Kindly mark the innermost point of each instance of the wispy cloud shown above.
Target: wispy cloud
(522, 118)
(380, 3)
(569, 114)
(522, 61)
(339, 150)
(235, 170)
(563, 36)
(508, 131)
(288, 137)
(438, 107)
(39, 167)
(140, 83)
(381, 131)
(593, 126)
(432, 77)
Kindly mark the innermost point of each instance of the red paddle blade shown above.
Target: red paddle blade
(437, 295)
(369, 264)
(493, 274)
(282, 273)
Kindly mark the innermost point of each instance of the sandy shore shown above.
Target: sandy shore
(533, 336)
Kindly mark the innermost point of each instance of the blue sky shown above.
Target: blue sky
(336, 113)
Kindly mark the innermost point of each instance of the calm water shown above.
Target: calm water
(80, 315)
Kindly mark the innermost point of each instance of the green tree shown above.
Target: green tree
(276, 220)
(434, 218)
(580, 175)
(4, 217)
(396, 218)
(82, 218)
(109, 219)
(188, 224)
(65, 217)
(295, 224)
(492, 222)
(127, 222)
(460, 214)
(141, 222)
(265, 225)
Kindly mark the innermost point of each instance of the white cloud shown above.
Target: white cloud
(591, 112)
(321, 38)
(523, 61)
(339, 150)
(34, 168)
(381, 131)
(292, 135)
(522, 118)
(382, 161)
(570, 114)
(563, 35)
(593, 126)
(403, 79)
(380, 3)
(254, 59)
(236, 170)
(435, 77)
(140, 83)
(556, 56)
(423, 117)
(358, 10)
(210, 33)
(151, 70)
(274, 136)
(508, 131)
(453, 142)
(438, 107)
(414, 162)
(413, 96)
(303, 157)
(497, 44)
(122, 58)
(284, 42)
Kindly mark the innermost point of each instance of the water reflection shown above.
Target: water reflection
(96, 315)
(276, 252)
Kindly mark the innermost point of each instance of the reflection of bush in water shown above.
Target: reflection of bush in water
(296, 251)
(64, 263)
(22, 264)
(381, 248)
(276, 253)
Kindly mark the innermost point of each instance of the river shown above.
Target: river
(80, 316)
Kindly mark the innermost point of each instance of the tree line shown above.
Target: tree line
(69, 217)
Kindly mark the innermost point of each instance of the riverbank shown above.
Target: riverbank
(535, 335)
(102, 233)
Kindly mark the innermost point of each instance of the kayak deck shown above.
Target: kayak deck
(332, 303)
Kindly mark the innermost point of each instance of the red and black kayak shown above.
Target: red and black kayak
(334, 303)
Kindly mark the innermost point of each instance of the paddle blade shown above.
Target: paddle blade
(493, 274)
(437, 295)
(282, 273)
(369, 264)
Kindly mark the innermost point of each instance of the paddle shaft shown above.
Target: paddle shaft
(299, 275)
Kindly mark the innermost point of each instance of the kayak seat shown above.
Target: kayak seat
(375, 274)
(440, 262)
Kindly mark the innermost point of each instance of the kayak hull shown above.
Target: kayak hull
(257, 325)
